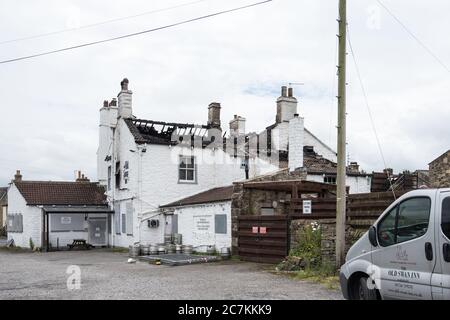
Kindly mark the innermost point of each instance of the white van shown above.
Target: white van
(405, 254)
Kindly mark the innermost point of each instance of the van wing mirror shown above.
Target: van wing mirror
(373, 236)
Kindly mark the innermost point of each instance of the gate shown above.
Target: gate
(263, 239)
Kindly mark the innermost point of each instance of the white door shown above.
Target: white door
(443, 236)
(405, 258)
(98, 232)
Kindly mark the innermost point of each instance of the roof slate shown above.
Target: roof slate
(61, 193)
(212, 195)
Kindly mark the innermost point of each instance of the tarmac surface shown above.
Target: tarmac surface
(107, 275)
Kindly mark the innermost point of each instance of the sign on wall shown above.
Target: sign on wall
(203, 229)
(307, 207)
(66, 220)
(202, 224)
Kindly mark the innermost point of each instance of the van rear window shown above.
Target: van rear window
(445, 222)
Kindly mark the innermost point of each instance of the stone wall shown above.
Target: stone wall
(356, 227)
(440, 171)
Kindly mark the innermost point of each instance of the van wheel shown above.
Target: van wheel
(362, 292)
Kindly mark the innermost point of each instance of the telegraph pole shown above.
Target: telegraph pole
(341, 143)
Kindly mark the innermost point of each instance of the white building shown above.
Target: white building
(51, 215)
(145, 164)
(203, 220)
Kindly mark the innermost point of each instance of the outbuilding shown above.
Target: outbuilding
(203, 220)
(52, 214)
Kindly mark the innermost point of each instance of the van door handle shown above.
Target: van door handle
(429, 251)
(446, 251)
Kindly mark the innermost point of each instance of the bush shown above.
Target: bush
(31, 244)
(308, 245)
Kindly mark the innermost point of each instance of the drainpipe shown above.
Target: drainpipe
(113, 187)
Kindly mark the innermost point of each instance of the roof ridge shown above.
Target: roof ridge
(52, 181)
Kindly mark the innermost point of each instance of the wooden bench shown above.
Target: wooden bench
(79, 244)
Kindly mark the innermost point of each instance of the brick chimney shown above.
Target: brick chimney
(353, 167)
(125, 100)
(17, 176)
(237, 126)
(286, 105)
(214, 115)
(81, 178)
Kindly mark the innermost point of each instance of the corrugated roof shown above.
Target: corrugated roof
(212, 195)
(61, 193)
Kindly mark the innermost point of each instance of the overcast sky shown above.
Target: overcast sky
(49, 105)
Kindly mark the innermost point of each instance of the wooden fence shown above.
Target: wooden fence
(367, 205)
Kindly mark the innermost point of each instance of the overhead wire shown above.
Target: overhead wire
(366, 100)
(41, 35)
(414, 36)
(135, 33)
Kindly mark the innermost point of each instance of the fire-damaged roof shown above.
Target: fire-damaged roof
(158, 132)
(212, 195)
(61, 193)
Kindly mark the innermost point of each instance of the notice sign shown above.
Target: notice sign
(202, 224)
(66, 220)
(255, 229)
(263, 230)
(307, 207)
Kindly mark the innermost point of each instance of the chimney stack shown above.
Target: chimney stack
(214, 115)
(81, 178)
(296, 134)
(290, 92)
(286, 105)
(237, 126)
(353, 167)
(125, 100)
(17, 176)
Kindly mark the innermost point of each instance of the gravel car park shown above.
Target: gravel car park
(107, 275)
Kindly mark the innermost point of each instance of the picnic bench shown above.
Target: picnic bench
(79, 244)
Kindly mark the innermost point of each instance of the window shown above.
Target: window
(220, 223)
(175, 223)
(117, 175)
(109, 178)
(124, 223)
(267, 211)
(125, 172)
(129, 213)
(407, 221)
(445, 223)
(386, 229)
(329, 179)
(15, 223)
(187, 169)
(412, 219)
(117, 217)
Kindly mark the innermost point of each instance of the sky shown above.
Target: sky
(50, 104)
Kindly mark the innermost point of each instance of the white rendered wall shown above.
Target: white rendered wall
(187, 217)
(319, 147)
(32, 219)
(153, 180)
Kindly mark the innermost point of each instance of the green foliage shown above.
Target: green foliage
(308, 245)
(325, 274)
(31, 244)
